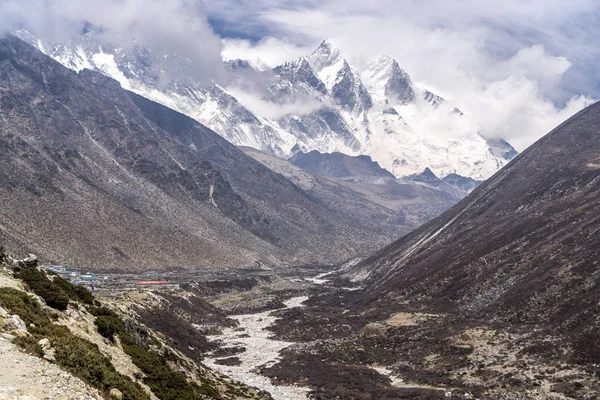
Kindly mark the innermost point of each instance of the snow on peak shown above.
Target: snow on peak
(324, 56)
(322, 104)
(388, 82)
(328, 63)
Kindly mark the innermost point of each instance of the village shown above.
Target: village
(110, 282)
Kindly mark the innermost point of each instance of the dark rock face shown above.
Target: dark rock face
(349, 92)
(400, 86)
(297, 72)
(432, 98)
(93, 175)
(427, 176)
(138, 332)
(501, 148)
(523, 248)
(462, 182)
(455, 184)
(339, 165)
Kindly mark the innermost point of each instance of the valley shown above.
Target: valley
(304, 332)
(321, 228)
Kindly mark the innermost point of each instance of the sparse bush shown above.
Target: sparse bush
(39, 284)
(75, 292)
(164, 382)
(83, 358)
(56, 292)
(102, 312)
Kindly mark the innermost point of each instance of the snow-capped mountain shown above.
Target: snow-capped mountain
(318, 102)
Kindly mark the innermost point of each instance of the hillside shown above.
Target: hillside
(57, 341)
(495, 299)
(339, 165)
(523, 248)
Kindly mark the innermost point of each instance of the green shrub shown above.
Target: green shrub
(109, 326)
(75, 292)
(57, 291)
(84, 359)
(38, 282)
(102, 312)
(165, 383)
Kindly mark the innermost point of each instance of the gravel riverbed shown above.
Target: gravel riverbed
(261, 349)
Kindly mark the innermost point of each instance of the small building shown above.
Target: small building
(151, 283)
(89, 277)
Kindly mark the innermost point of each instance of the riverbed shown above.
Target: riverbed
(261, 349)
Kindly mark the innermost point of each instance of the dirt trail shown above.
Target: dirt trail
(25, 377)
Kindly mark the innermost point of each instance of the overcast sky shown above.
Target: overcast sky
(518, 67)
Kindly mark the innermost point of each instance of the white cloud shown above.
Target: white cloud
(272, 110)
(518, 68)
(174, 26)
(265, 54)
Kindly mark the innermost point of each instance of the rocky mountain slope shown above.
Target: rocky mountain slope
(94, 175)
(495, 299)
(339, 165)
(362, 169)
(522, 249)
(318, 102)
(364, 192)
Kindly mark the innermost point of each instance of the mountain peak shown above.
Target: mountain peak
(326, 45)
(325, 56)
(385, 59)
(426, 176)
(388, 81)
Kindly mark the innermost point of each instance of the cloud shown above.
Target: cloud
(518, 68)
(272, 110)
(172, 27)
(264, 54)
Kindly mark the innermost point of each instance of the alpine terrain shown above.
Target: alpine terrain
(319, 102)
(95, 175)
(495, 299)
(329, 228)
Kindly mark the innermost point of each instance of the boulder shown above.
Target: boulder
(49, 352)
(4, 313)
(115, 394)
(31, 261)
(138, 332)
(14, 323)
(7, 336)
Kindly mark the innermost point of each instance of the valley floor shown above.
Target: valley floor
(301, 333)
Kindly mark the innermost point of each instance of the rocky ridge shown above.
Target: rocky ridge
(84, 339)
